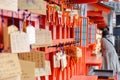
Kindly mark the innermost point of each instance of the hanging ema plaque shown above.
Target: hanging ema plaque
(34, 6)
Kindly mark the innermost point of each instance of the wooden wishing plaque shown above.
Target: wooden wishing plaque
(6, 40)
(28, 70)
(35, 56)
(43, 71)
(18, 77)
(9, 66)
(6, 36)
(19, 42)
(11, 5)
(31, 33)
(43, 38)
(12, 28)
(34, 6)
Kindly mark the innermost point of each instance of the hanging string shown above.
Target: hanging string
(56, 49)
(29, 15)
(18, 20)
(61, 47)
(2, 17)
(39, 22)
(12, 18)
(30, 18)
(24, 16)
(24, 21)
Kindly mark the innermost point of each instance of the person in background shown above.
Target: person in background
(110, 57)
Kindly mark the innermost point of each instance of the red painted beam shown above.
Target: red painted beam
(94, 13)
(101, 7)
(102, 26)
(99, 21)
(104, 0)
(84, 1)
(98, 18)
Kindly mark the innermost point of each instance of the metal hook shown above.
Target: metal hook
(12, 18)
